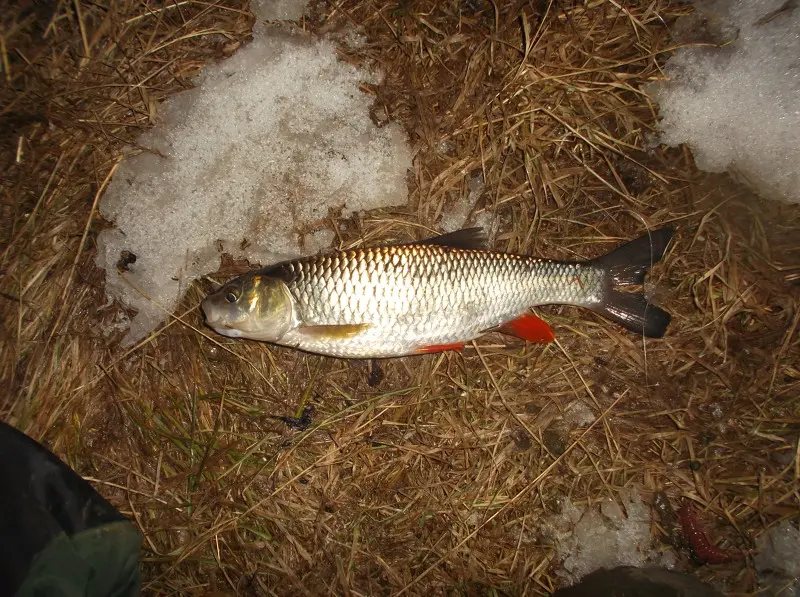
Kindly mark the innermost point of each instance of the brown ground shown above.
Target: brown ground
(435, 479)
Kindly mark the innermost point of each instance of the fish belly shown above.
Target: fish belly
(401, 337)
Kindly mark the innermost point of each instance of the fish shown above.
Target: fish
(430, 296)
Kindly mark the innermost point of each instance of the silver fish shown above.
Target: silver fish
(433, 295)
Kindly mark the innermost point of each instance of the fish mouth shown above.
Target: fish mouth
(208, 311)
(213, 316)
(217, 322)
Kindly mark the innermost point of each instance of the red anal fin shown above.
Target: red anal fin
(459, 346)
(530, 328)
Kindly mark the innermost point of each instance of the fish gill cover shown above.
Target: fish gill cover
(268, 142)
(736, 102)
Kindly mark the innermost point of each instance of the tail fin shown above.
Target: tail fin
(627, 266)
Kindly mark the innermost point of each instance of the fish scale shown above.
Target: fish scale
(428, 296)
(401, 292)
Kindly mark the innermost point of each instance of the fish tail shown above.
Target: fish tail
(627, 266)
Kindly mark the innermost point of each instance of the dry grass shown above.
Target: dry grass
(434, 481)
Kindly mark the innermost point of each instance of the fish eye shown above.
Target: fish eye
(231, 297)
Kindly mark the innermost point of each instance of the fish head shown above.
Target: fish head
(251, 306)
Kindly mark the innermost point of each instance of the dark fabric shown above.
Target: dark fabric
(56, 532)
(98, 562)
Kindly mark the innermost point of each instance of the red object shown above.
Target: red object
(530, 328)
(441, 348)
(698, 539)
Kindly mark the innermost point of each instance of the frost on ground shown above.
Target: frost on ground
(269, 142)
(589, 538)
(578, 414)
(738, 105)
(278, 10)
(778, 560)
(460, 212)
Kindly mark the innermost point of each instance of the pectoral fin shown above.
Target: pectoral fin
(529, 327)
(333, 332)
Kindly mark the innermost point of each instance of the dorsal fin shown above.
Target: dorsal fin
(466, 238)
(281, 271)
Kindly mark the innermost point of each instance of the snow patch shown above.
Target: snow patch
(613, 534)
(279, 10)
(737, 105)
(269, 143)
